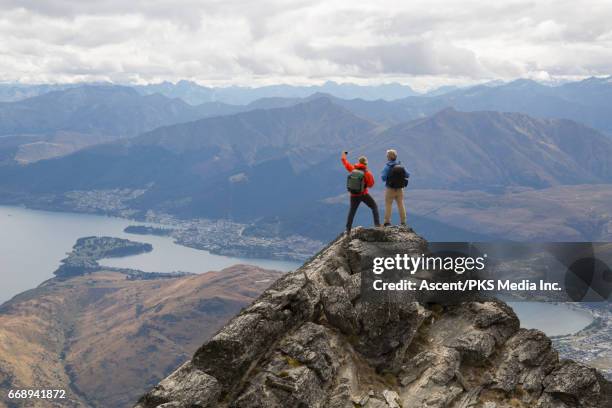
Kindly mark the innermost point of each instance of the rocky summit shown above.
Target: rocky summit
(313, 340)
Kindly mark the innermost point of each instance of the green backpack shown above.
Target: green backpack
(355, 182)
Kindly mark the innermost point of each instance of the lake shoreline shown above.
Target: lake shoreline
(52, 234)
(220, 237)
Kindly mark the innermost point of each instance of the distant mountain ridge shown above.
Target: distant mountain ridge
(12, 92)
(109, 110)
(196, 94)
(62, 121)
(586, 101)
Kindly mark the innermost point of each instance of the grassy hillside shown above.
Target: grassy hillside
(106, 340)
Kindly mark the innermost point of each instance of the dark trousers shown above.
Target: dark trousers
(355, 201)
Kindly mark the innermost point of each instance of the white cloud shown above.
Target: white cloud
(245, 42)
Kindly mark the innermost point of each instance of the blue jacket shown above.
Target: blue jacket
(387, 169)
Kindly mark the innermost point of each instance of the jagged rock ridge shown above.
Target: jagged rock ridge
(311, 340)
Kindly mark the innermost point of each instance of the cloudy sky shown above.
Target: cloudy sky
(256, 42)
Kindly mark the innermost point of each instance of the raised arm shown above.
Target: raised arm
(349, 167)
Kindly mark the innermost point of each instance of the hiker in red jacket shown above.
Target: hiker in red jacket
(358, 182)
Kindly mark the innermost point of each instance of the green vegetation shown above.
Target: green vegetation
(89, 250)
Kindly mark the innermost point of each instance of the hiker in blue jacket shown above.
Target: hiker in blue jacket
(395, 178)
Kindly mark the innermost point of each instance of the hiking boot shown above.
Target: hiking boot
(403, 224)
(387, 224)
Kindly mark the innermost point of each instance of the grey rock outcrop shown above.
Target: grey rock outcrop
(312, 340)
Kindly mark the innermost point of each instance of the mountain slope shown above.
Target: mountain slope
(490, 149)
(450, 149)
(197, 167)
(314, 340)
(316, 123)
(105, 339)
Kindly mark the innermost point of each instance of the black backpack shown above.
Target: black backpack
(397, 177)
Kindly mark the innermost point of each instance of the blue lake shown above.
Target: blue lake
(33, 242)
(552, 318)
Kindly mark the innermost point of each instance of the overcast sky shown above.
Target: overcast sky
(256, 42)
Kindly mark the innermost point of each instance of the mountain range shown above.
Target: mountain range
(285, 160)
(61, 121)
(484, 150)
(204, 156)
(584, 101)
(107, 110)
(44, 121)
(196, 94)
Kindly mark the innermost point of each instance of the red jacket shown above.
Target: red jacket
(369, 178)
